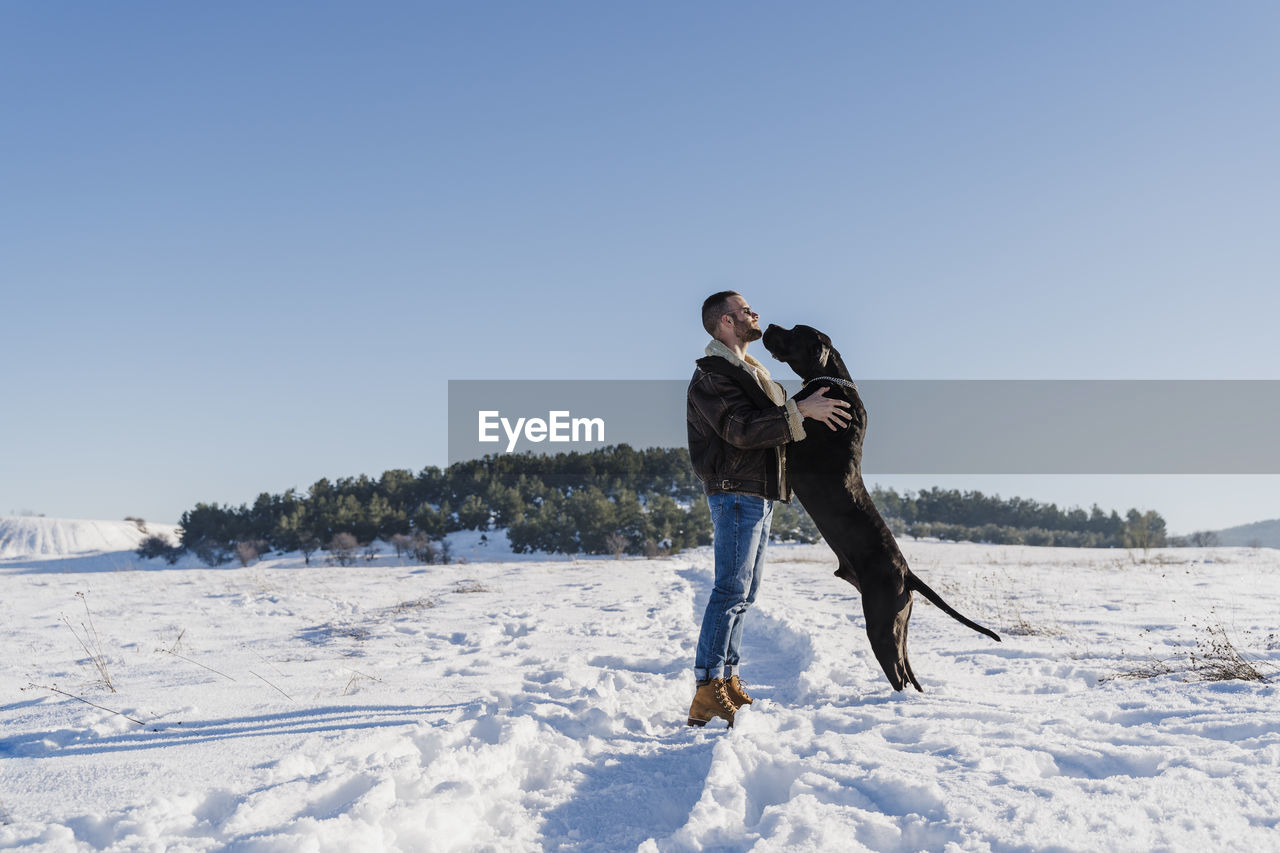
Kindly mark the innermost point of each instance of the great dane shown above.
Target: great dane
(825, 470)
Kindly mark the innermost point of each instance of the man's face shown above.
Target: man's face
(746, 323)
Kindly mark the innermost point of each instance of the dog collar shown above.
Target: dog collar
(845, 382)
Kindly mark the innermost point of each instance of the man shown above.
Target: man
(740, 422)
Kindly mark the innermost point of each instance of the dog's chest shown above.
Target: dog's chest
(824, 450)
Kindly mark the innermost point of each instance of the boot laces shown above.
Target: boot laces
(741, 688)
(722, 696)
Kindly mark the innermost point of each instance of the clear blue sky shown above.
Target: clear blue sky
(244, 245)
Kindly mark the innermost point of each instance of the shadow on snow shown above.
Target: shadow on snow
(161, 734)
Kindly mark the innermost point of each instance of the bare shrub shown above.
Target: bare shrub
(1198, 539)
(616, 543)
(247, 552)
(370, 552)
(53, 688)
(90, 643)
(422, 548)
(652, 550)
(354, 682)
(140, 523)
(1215, 658)
(308, 545)
(446, 551)
(176, 651)
(1148, 669)
(409, 606)
(402, 544)
(1022, 628)
(342, 549)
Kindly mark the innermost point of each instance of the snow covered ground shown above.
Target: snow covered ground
(527, 705)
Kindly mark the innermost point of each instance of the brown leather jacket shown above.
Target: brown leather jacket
(737, 434)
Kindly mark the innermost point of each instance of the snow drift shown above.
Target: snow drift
(37, 537)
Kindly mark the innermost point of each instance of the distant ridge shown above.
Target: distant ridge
(37, 537)
(1264, 533)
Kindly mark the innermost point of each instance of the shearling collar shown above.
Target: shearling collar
(752, 366)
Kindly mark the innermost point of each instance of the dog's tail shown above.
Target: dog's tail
(921, 587)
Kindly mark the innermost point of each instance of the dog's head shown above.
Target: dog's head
(805, 350)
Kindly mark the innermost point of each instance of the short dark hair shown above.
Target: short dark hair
(713, 309)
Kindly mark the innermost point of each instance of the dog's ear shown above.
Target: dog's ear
(829, 357)
(823, 355)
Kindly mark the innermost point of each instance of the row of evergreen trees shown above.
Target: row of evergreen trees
(612, 500)
(568, 503)
(972, 516)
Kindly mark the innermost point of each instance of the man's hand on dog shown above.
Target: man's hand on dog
(820, 407)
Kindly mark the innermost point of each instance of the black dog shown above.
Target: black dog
(825, 470)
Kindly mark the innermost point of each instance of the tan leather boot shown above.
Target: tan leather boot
(712, 700)
(737, 692)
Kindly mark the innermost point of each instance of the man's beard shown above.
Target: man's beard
(746, 332)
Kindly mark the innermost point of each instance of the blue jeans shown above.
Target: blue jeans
(741, 526)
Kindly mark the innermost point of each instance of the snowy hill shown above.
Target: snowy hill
(530, 706)
(1263, 533)
(40, 538)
